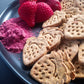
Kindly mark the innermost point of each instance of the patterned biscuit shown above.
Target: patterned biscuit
(66, 4)
(80, 4)
(79, 69)
(57, 19)
(73, 11)
(69, 6)
(65, 57)
(64, 1)
(81, 53)
(50, 71)
(52, 35)
(74, 28)
(70, 46)
(33, 50)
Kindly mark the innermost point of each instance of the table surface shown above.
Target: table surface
(6, 75)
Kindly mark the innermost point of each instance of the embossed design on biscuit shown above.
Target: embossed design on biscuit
(43, 72)
(74, 28)
(79, 68)
(70, 46)
(80, 4)
(56, 20)
(52, 36)
(33, 50)
(81, 53)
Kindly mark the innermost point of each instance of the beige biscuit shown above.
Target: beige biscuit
(52, 36)
(79, 69)
(74, 28)
(73, 11)
(67, 5)
(34, 49)
(64, 1)
(81, 53)
(70, 46)
(50, 71)
(55, 20)
(66, 59)
(80, 4)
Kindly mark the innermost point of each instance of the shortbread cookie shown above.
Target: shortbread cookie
(49, 70)
(79, 73)
(70, 46)
(52, 35)
(34, 49)
(74, 28)
(80, 4)
(81, 53)
(57, 19)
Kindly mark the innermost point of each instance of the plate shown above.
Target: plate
(14, 61)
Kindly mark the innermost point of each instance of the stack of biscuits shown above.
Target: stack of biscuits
(57, 54)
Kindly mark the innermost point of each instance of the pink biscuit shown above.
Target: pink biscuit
(14, 33)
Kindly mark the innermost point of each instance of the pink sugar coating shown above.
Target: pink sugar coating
(14, 33)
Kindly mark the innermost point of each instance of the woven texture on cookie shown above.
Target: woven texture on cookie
(63, 56)
(66, 59)
(81, 53)
(73, 11)
(79, 69)
(55, 20)
(52, 36)
(80, 4)
(33, 50)
(50, 71)
(70, 46)
(66, 4)
(74, 28)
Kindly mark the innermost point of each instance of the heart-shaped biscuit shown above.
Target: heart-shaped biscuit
(56, 20)
(79, 68)
(52, 36)
(74, 28)
(81, 53)
(43, 72)
(34, 49)
(70, 46)
(80, 4)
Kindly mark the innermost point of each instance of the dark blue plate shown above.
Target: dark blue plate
(14, 61)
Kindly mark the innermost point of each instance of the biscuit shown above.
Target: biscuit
(64, 1)
(55, 20)
(65, 57)
(74, 12)
(52, 36)
(50, 71)
(79, 69)
(34, 49)
(81, 53)
(70, 46)
(80, 4)
(74, 28)
(66, 4)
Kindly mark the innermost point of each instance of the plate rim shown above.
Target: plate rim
(2, 56)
